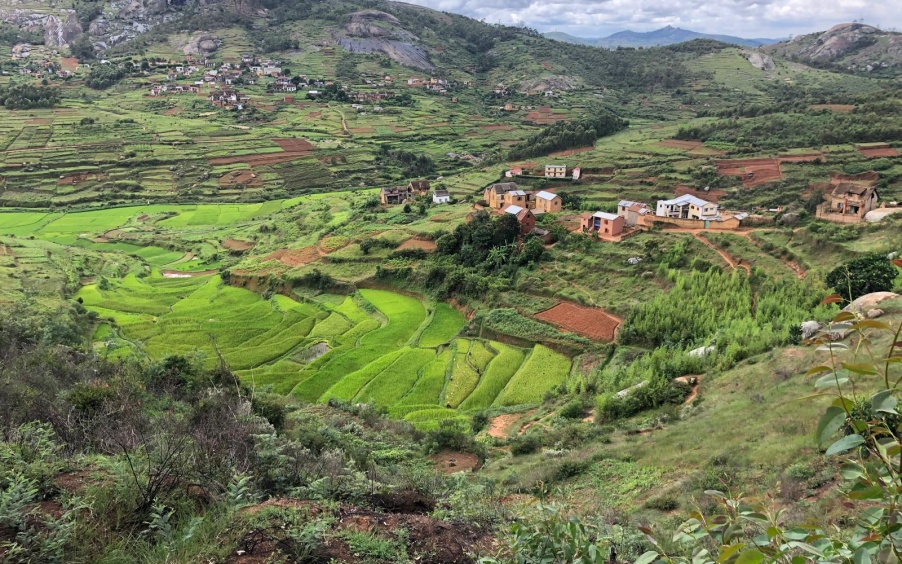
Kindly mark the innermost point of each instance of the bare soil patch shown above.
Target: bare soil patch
(752, 171)
(69, 63)
(173, 111)
(496, 127)
(569, 152)
(236, 245)
(878, 151)
(501, 426)
(361, 130)
(545, 116)
(243, 177)
(679, 144)
(804, 158)
(74, 179)
(294, 257)
(840, 108)
(294, 144)
(293, 149)
(39, 121)
(451, 462)
(427, 246)
(591, 322)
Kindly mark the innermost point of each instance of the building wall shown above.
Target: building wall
(550, 206)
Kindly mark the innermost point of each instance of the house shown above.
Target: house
(603, 223)
(525, 218)
(555, 171)
(576, 173)
(394, 195)
(516, 198)
(418, 187)
(848, 202)
(513, 172)
(547, 202)
(687, 206)
(441, 197)
(630, 211)
(494, 194)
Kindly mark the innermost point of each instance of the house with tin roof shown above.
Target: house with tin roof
(602, 223)
(687, 206)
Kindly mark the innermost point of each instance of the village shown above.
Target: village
(847, 199)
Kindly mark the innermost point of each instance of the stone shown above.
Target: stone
(810, 329)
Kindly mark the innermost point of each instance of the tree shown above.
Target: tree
(864, 275)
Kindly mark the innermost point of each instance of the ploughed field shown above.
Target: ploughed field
(377, 346)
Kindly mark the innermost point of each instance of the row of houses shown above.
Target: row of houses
(503, 194)
(415, 189)
(551, 171)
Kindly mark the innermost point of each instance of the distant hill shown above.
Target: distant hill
(665, 36)
(848, 46)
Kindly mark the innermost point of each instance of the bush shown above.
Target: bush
(575, 409)
(526, 444)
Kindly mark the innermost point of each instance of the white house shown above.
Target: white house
(687, 206)
(441, 197)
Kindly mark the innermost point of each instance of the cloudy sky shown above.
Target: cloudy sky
(744, 18)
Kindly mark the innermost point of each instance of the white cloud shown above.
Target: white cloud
(744, 18)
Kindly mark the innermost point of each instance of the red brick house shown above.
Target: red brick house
(525, 218)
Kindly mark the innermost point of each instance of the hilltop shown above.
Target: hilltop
(849, 46)
(668, 35)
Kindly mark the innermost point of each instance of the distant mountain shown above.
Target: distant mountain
(848, 47)
(665, 36)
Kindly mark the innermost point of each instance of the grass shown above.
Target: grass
(499, 372)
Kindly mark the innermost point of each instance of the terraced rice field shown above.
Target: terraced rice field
(377, 346)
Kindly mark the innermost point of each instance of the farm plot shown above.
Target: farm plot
(445, 324)
(542, 371)
(877, 150)
(753, 171)
(591, 322)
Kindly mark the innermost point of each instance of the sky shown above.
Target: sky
(742, 18)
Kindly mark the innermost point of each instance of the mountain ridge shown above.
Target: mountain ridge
(667, 35)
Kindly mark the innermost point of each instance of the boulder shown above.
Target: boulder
(869, 301)
(810, 329)
(874, 313)
(702, 351)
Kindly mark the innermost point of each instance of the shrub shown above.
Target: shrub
(526, 444)
(575, 409)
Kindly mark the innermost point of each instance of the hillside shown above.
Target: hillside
(850, 46)
(668, 35)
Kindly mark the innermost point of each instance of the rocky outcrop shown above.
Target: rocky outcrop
(59, 34)
(372, 31)
(60, 27)
(855, 46)
(202, 43)
(759, 60)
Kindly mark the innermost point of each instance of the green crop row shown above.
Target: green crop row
(499, 372)
(542, 371)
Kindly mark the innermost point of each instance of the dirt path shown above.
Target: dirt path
(723, 254)
(695, 387)
(344, 123)
(790, 264)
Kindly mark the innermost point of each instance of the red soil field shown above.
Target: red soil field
(236, 245)
(245, 177)
(591, 322)
(427, 246)
(294, 149)
(69, 63)
(174, 111)
(450, 462)
(841, 108)
(544, 116)
(294, 257)
(292, 145)
(878, 151)
(752, 171)
(678, 144)
(361, 130)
